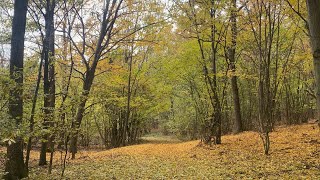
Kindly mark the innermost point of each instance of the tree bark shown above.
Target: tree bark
(81, 108)
(314, 27)
(48, 78)
(235, 90)
(15, 167)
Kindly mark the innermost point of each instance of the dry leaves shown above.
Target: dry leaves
(295, 154)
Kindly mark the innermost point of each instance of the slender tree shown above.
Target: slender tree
(15, 167)
(232, 57)
(48, 77)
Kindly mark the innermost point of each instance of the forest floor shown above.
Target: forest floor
(294, 154)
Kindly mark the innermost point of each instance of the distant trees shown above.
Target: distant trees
(208, 25)
(15, 167)
(259, 39)
(202, 17)
(121, 119)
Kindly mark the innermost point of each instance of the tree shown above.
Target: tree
(102, 47)
(48, 77)
(15, 166)
(314, 29)
(206, 25)
(215, 38)
(232, 58)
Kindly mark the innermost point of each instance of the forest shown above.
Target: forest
(159, 89)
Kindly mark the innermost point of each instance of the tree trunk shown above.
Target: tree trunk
(15, 167)
(48, 78)
(314, 26)
(235, 91)
(81, 109)
(127, 118)
(33, 109)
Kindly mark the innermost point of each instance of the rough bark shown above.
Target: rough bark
(235, 90)
(314, 27)
(15, 167)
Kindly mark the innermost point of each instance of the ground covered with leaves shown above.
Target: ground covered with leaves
(295, 154)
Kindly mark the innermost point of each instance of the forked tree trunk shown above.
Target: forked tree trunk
(105, 34)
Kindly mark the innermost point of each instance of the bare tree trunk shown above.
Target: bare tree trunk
(34, 103)
(235, 91)
(65, 156)
(48, 78)
(314, 27)
(15, 166)
(51, 159)
(128, 109)
(81, 109)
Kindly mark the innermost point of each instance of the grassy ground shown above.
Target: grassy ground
(295, 154)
